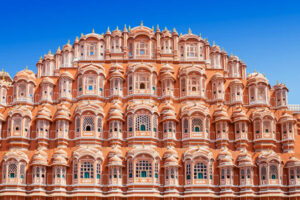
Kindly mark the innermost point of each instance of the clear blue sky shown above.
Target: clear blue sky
(264, 34)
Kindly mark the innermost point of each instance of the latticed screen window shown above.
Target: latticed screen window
(22, 170)
(188, 171)
(91, 49)
(142, 123)
(77, 123)
(273, 172)
(12, 171)
(142, 81)
(194, 84)
(267, 126)
(197, 125)
(200, 171)
(261, 93)
(98, 170)
(263, 173)
(130, 169)
(143, 169)
(211, 170)
(192, 50)
(155, 123)
(88, 123)
(130, 123)
(17, 124)
(86, 170)
(99, 124)
(142, 49)
(90, 84)
(186, 125)
(75, 171)
(156, 169)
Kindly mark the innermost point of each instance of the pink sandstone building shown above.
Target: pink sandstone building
(146, 114)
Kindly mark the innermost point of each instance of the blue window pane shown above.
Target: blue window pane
(90, 87)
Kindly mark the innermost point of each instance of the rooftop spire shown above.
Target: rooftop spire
(174, 30)
(142, 24)
(49, 52)
(214, 43)
(190, 31)
(117, 28)
(93, 31)
(129, 28)
(68, 41)
(81, 34)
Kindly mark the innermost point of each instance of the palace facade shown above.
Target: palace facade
(146, 114)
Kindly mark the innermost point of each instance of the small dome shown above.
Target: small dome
(115, 112)
(239, 115)
(220, 114)
(285, 117)
(60, 157)
(233, 58)
(215, 48)
(40, 158)
(62, 112)
(67, 74)
(26, 75)
(256, 77)
(47, 80)
(44, 113)
(168, 112)
(115, 161)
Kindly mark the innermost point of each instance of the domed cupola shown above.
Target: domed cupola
(225, 164)
(287, 129)
(62, 120)
(221, 121)
(116, 80)
(115, 165)
(115, 120)
(47, 85)
(281, 91)
(258, 88)
(241, 122)
(43, 120)
(24, 83)
(245, 165)
(169, 122)
(167, 80)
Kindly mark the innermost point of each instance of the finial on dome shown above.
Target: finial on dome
(157, 28)
(214, 44)
(142, 24)
(180, 34)
(49, 52)
(117, 28)
(125, 29)
(76, 39)
(200, 35)
(108, 29)
(41, 58)
(58, 49)
(153, 28)
(68, 41)
(26, 67)
(93, 31)
(129, 28)
(255, 70)
(81, 34)
(277, 81)
(174, 30)
(190, 31)
(166, 28)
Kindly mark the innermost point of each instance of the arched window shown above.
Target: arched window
(188, 171)
(186, 125)
(197, 125)
(12, 170)
(86, 170)
(143, 169)
(130, 123)
(142, 123)
(88, 123)
(200, 171)
(273, 172)
(263, 173)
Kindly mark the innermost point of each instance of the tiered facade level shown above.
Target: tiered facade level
(145, 114)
